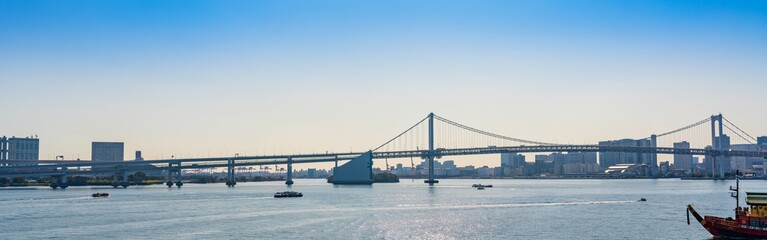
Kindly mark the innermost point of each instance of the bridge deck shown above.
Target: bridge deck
(49, 167)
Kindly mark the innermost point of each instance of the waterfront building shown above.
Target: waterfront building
(607, 159)
(449, 165)
(566, 163)
(485, 172)
(746, 164)
(17, 148)
(580, 157)
(723, 164)
(761, 140)
(543, 165)
(720, 166)
(664, 168)
(580, 168)
(762, 143)
(629, 170)
(3, 148)
(107, 151)
(683, 161)
(512, 160)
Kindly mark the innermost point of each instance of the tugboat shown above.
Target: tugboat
(100, 195)
(749, 223)
(288, 194)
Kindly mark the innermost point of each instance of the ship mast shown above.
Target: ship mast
(736, 194)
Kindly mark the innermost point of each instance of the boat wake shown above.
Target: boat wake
(504, 205)
(46, 199)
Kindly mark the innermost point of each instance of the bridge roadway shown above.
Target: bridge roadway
(53, 168)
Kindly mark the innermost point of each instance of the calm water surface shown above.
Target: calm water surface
(512, 209)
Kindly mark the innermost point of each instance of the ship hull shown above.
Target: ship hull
(721, 227)
(728, 227)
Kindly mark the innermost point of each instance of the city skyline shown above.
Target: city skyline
(277, 77)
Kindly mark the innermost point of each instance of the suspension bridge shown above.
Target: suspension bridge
(430, 138)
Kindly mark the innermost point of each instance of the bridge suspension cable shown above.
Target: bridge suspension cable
(682, 128)
(736, 133)
(399, 135)
(741, 130)
(489, 134)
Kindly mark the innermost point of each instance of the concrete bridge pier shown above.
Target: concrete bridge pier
(63, 179)
(54, 182)
(179, 183)
(334, 169)
(115, 181)
(170, 175)
(289, 177)
(230, 174)
(125, 179)
(60, 181)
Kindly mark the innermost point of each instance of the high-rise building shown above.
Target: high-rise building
(761, 140)
(512, 160)
(449, 164)
(745, 164)
(719, 166)
(683, 161)
(138, 156)
(566, 163)
(3, 148)
(13, 148)
(580, 157)
(607, 159)
(107, 151)
(724, 164)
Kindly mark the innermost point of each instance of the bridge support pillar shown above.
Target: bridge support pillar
(431, 180)
(654, 154)
(334, 169)
(54, 182)
(289, 174)
(125, 179)
(63, 179)
(170, 175)
(179, 183)
(230, 174)
(115, 181)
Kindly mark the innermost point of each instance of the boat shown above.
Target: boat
(749, 222)
(480, 185)
(100, 195)
(643, 200)
(288, 194)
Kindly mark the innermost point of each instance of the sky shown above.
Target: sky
(214, 78)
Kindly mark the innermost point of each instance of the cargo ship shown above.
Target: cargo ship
(749, 222)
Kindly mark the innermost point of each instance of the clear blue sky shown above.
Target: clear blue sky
(259, 77)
